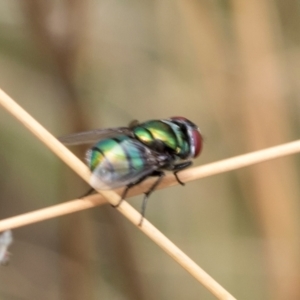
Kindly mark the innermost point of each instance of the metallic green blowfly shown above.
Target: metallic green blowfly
(126, 156)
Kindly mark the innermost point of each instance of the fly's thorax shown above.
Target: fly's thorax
(166, 132)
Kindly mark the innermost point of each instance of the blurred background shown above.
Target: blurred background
(232, 67)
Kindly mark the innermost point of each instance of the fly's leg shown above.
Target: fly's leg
(128, 187)
(160, 175)
(89, 192)
(123, 196)
(179, 167)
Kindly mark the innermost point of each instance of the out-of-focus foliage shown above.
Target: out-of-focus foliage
(231, 67)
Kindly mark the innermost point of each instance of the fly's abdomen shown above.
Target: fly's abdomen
(116, 162)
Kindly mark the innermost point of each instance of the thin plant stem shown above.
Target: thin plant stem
(191, 174)
(127, 210)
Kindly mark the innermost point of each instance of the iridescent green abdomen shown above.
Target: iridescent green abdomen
(167, 132)
(118, 161)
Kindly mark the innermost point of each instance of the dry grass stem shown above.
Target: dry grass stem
(128, 211)
(186, 176)
(52, 212)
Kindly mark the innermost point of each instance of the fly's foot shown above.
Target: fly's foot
(123, 196)
(179, 167)
(178, 180)
(89, 192)
(118, 204)
(141, 221)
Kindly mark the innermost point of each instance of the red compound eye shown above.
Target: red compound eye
(197, 142)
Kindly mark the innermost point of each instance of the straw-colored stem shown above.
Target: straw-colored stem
(51, 212)
(127, 210)
(186, 176)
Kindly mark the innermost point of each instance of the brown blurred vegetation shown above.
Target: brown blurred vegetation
(232, 67)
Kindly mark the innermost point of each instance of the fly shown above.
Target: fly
(126, 156)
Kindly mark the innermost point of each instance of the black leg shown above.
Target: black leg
(160, 175)
(177, 178)
(150, 191)
(128, 187)
(89, 192)
(123, 196)
(180, 167)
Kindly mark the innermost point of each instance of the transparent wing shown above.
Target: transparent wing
(97, 181)
(117, 171)
(92, 136)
